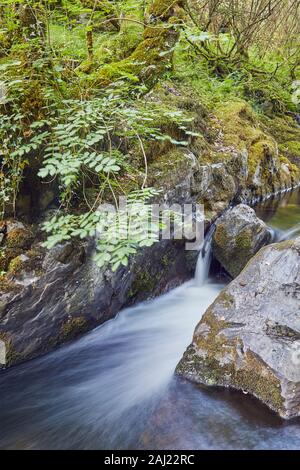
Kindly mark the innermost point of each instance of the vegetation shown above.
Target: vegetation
(82, 112)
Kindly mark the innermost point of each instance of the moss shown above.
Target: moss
(19, 238)
(105, 10)
(259, 152)
(116, 48)
(166, 261)
(33, 104)
(6, 255)
(144, 283)
(293, 169)
(150, 59)
(243, 240)
(232, 253)
(169, 169)
(283, 129)
(8, 286)
(213, 356)
(72, 328)
(254, 377)
(243, 129)
(16, 265)
(220, 236)
(5, 42)
(165, 9)
(29, 262)
(292, 147)
(3, 261)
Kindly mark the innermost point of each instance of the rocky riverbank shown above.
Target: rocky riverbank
(50, 298)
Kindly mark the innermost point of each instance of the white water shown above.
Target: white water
(119, 371)
(204, 260)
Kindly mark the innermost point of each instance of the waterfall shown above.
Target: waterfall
(204, 259)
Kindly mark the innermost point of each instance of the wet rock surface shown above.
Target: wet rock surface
(62, 293)
(249, 338)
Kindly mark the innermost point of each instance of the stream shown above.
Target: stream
(115, 387)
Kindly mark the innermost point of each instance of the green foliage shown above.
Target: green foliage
(72, 106)
(119, 233)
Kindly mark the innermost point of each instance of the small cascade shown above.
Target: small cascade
(204, 259)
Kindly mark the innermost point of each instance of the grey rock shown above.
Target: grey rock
(238, 236)
(249, 338)
(72, 294)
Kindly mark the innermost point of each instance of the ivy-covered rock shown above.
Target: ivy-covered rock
(239, 235)
(249, 338)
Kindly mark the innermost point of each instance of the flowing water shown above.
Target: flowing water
(115, 388)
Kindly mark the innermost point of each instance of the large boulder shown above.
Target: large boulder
(48, 298)
(249, 338)
(239, 235)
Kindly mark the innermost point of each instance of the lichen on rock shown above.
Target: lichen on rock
(248, 339)
(238, 236)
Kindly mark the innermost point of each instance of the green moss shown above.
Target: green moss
(73, 328)
(293, 169)
(258, 153)
(291, 148)
(243, 240)
(166, 261)
(253, 378)
(233, 253)
(15, 266)
(245, 130)
(283, 129)
(168, 169)
(164, 9)
(144, 283)
(213, 356)
(19, 238)
(6, 255)
(147, 62)
(118, 46)
(8, 286)
(220, 236)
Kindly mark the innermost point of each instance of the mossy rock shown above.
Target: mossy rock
(163, 10)
(8, 286)
(247, 339)
(246, 131)
(73, 328)
(16, 265)
(19, 238)
(169, 169)
(238, 236)
(7, 255)
(152, 57)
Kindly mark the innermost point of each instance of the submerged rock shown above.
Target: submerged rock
(239, 235)
(249, 338)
